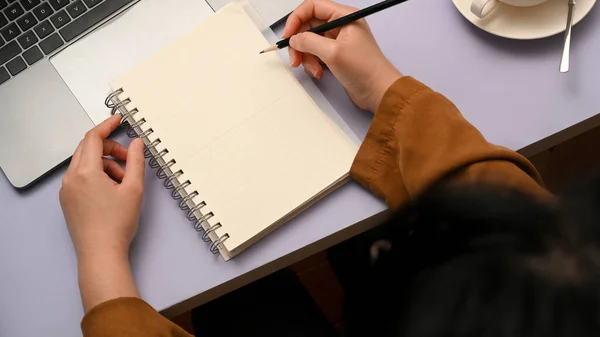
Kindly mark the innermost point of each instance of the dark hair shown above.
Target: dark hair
(484, 261)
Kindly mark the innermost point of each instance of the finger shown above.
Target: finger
(105, 128)
(332, 34)
(317, 45)
(114, 149)
(292, 24)
(295, 57)
(134, 169)
(315, 9)
(75, 159)
(113, 169)
(312, 66)
(93, 143)
(310, 24)
(92, 150)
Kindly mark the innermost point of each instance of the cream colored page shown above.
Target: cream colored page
(247, 135)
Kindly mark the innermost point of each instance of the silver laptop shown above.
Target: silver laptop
(57, 58)
(272, 11)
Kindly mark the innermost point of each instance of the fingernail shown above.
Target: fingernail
(314, 72)
(292, 59)
(293, 41)
(319, 74)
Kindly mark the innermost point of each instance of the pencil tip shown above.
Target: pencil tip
(270, 49)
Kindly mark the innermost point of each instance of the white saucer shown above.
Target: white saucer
(526, 23)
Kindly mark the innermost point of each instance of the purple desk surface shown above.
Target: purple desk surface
(511, 90)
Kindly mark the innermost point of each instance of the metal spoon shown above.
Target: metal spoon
(564, 60)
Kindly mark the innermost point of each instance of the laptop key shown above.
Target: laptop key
(10, 32)
(92, 17)
(58, 4)
(29, 4)
(43, 11)
(4, 76)
(28, 39)
(9, 51)
(26, 21)
(89, 3)
(43, 29)
(33, 55)
(3, 4)
(76, 9)
(3, 20)
(60, 19)
(51, 43)
(14, 11)
(16, 66)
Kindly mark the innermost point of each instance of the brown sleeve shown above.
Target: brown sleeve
(418, 136)
(129, 317)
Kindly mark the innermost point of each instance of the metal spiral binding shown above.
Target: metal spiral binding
(147, 152)
(171, 178)
(190, 215)
(214, 246)
(183, 204)
(176, 192)
(198, 224)
(153, 162)
(169, 182)
(161, 173)
(206, 235)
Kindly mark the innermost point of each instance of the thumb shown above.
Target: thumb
(311, 43)
(135, 166)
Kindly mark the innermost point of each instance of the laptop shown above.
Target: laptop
(272, 11)
(56, 60)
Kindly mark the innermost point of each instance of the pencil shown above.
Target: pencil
(340, 22)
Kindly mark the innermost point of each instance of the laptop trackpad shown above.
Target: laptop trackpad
(91, 63)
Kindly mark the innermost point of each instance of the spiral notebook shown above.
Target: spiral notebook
(234, 135)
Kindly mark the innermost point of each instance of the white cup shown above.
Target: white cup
(481, 8)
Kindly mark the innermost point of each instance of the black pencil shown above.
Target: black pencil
(340, 22)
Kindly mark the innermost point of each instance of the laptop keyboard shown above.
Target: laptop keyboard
(33, 29)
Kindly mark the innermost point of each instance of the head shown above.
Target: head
(480, 261)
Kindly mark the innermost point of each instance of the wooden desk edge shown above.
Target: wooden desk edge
(561, 136)
(276, 265)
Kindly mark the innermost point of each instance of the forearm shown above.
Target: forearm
(418, 137)
(103, 277)
(112, 303)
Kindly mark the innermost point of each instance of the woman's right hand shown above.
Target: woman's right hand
(350, 52)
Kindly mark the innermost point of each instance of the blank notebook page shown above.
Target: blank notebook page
(244, 131)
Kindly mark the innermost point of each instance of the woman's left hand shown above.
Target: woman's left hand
(102, 214)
